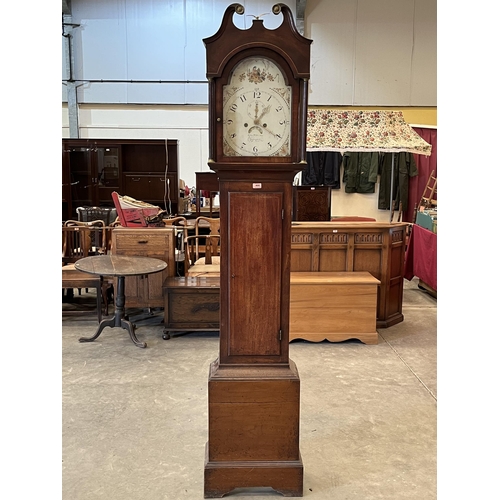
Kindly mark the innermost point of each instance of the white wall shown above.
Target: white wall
(362, 204)
(364, 52)
(372, 52)
(132, 45)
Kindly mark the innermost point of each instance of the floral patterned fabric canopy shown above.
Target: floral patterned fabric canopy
(331, 129)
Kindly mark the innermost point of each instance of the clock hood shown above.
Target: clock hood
(284, 40)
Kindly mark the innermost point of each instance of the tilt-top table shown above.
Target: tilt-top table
(119, 266)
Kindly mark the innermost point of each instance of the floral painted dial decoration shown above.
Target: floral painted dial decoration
(256, 110)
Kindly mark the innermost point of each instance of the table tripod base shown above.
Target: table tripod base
(115, 322)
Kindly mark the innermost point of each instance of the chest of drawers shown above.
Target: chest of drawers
(159, 243)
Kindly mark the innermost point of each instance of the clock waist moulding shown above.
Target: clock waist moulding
(257, 136)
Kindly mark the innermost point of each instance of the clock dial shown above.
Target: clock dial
(256, 114)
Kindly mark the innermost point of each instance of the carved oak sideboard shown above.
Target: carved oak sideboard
(376, 247)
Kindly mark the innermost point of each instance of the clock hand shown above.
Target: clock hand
(254, 116)
(267, 130)
(264, 111)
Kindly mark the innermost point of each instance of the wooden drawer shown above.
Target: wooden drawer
(142, 242)
(191, 304)
(157, 243)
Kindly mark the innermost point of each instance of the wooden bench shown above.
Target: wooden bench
(333, 306)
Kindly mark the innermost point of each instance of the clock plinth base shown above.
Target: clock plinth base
(221, 478)
(253, 430)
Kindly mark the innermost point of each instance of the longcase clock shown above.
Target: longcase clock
(257, 124)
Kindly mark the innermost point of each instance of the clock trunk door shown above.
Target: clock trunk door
(254, 276)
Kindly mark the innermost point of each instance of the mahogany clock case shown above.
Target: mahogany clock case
(250, 442)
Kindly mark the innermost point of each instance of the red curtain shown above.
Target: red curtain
(425, 165)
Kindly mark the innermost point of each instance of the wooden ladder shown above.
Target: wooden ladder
(429, 195)
(428, 198)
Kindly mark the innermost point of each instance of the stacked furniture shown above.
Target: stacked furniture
(374, 247)
(361, 261)
(330, 254)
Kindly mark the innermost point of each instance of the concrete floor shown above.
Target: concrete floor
(135, 424)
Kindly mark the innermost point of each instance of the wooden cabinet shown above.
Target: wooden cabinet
(150, 172)
(146, 291)
(311, 203)
(378, 248)
(90, 174)
(143, 169)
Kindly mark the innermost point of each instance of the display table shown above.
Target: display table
(119, 266)
(421, 258)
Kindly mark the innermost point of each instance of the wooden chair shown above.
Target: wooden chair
(202, 222)
(80, 240)
(94, 240)
(204, 226)
(181, 236)
(209, 263)
(88, 214)
(136, 213)
(203, 248)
